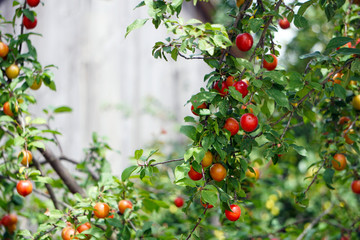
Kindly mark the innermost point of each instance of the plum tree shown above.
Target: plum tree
(294, 123)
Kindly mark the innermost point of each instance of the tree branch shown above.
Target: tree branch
(236, 22)
(197, 223)
(48, 186)
(194, 57)
(159, 163)
(315, 177)
(287, 125)
(266, 26)
(65, 176)
(314, 222)
(62, 157)
(48, 196)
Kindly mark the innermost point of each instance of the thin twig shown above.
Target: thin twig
(92, 174)
(289, 8)
(350, 127)
(132, 225)
(279, 120)
(22, 30)
(47, 185)
(287, 125)
(159, 163)
(55, 138)
(297, 125)
(315, 177)
(68, 159)
(7, 131)
(240, 15)
(194, 57)
(48, 196)
(266, 26)
(197, 224)
(314, 222)
(337, 225)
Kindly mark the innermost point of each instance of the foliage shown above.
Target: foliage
(300, 108)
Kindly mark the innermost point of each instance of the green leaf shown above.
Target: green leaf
(193, 21)
(316, 85)
(6, 118)
(300, 21)
(279, 97)
(205, 46)
(138, 153)
(62, 109)
(309, 113)
(355, 66)
(255, 24)
(34, 173)
(189, 119)
(305, 6)
(339, 91)
(188, 154)
(174, 54)
(106, 179)
(127, 172)
(235, 94)
(202, 97)
(268, 107)
(56, 214)
(39, 121)
(221, 41)
(37, 144)
(189, 131)
(223, 107)
(43, 179)
(141, 4)
(153, 205)
(241, 62)
(19, 141)
(257, 83)
(181, 176)
(185, 182)
(276, 76)
(181, 171)
(328, 176)
(25, 234)
(114, 222)
(348, 51)
(295, 81)
(29, 14)
(219, 149)
(329, 11)
(338, 42)
(207, 140)
(209, 196)
(299, 149)
(198, 154)
(213, 63)
(138, 23)
(311, 55)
